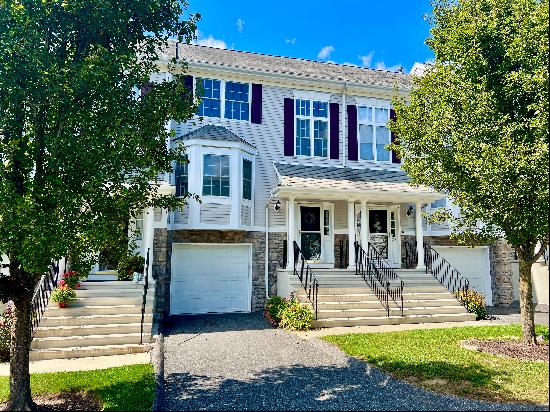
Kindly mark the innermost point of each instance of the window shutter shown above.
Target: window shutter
(289, 127)
(394, 158)
(189, 83)
(177, 173)
(256, 106)
(146, 88)
(352, 132)
(334, 130)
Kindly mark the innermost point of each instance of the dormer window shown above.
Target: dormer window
(311, 128)
(374, 134)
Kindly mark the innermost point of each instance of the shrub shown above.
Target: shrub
(63, 294)
(6, 325)
(273, 308)
(128, 265)
(295, 316)
(474, 302)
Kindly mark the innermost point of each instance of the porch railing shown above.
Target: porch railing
(306, 276)
(410, 258)
(380, 276)
(41, 296)
(144, 296)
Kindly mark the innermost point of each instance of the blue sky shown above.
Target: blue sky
(376, 34)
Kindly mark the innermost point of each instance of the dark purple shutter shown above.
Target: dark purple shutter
(146, 88)
(189, 83)
(352, 132)
(394, 158)
(289, 127)
(256, 109)
(334, 130)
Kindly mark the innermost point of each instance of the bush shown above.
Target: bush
(273, 308)
(295, 316)
(6, 325)
(128, 265)
(474, 302)
(63, 294)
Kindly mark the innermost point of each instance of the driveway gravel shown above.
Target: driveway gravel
(239, 362)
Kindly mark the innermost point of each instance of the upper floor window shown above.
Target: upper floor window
(311, 128)
(374, 134)
(215, 180)
(247, 179)
(232, 99)
(182, 177)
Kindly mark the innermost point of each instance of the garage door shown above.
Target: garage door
(473, 264)
(210, 278)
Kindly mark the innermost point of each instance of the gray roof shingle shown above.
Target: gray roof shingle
(213, 132)
(301, 68)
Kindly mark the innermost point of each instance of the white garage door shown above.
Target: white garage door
(211, 278)
(473, 264)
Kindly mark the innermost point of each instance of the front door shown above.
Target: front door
(310, 233)
(378, 230)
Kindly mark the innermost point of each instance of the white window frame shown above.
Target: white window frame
(224, 199)
(311, 119)
(373, 106)
(222, 98)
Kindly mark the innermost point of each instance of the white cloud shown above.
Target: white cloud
(325, 52)
(240, 25)
(291, 41)
(366, 60)
(209, 41)
(381, 66)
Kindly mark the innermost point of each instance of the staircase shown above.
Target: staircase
(344, 299)
(104, 320)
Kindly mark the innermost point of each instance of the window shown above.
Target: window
(247, 179)
(236, 101)
(219, 97)
(182, 177)
(139, 229)
(311, 115)
(211, 97)
(374, 134)
(215, 181)
(439, 203)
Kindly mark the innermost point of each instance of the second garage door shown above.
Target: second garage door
(213, 278)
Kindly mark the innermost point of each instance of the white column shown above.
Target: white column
(351, 234)
(291, 230)
(419, 236)
(364, 225)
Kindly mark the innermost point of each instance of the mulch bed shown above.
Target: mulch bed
(66, 401)
(509, 348)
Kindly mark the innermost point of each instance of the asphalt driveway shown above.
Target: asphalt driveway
(238, 362)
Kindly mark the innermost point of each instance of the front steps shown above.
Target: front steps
(104, 320)
(344, 299)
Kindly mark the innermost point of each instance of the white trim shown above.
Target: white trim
(374, 124)
(311, 120)
(222, 98)
(373, 102)
(311, 95)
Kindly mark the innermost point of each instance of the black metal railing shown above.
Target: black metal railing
(144, 296)
(341, 255)
(447, 275)
(410, 257)
(306, 276)
(41, 295)
(285, 253)
(380, 276)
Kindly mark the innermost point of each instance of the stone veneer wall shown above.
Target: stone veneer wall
(162, 247)
(500, 260)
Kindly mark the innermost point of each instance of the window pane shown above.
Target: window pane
(181, 175)
(236, 101)
(382, 135)
(320, 138)
(216, 175)
(247, 179)
(320, 109)
(210, 97)
(365, 142)
(382, 115)
(365, 151)
(302, 107)
(303, 145)
(365, 114)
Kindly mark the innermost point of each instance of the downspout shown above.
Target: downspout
(266, 259)
(343, 124)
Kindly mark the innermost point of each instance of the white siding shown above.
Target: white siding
(213, 213)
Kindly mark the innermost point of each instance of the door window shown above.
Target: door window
(378, 221)
(310, 232)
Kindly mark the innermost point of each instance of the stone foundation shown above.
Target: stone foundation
(162, 251)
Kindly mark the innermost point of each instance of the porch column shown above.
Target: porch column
(291, 222)
(419, 237)
(351, 233)
(364, 228)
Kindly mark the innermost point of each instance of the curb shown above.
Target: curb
(158, 365)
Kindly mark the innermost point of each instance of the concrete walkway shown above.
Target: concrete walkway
(238, 362)
(81, 364)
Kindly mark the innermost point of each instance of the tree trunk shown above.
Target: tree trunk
(526, 300)
(20, 385)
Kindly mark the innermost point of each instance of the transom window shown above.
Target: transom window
(232, 99)
(311, 115)
(182, 177)
(215, 180)
(374, 134)
(247, 179)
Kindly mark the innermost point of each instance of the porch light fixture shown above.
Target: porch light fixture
(277, 206)
(410, 211)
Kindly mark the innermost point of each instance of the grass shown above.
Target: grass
(434, 359)
(129, 388)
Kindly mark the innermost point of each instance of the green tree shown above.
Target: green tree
(476, 125)
(77, 141)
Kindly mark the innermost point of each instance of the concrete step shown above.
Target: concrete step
(380, 311)
(94, 319)
(85, 310)
(365, 304)
(114, 284)
(117, 292)
(393, 320)
(87, 330)
(89, 340)
(83, 352)
(104, 301)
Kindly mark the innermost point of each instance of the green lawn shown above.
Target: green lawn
(128, 388)
(433, 358)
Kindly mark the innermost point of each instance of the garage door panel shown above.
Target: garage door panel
(210, 278)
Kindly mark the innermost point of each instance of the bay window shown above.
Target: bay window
(182, 177)
(247, 179)
(215, 180)
(311, 115)
(374, 134)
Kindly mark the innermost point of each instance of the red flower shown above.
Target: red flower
(61, 282)
(78, 285)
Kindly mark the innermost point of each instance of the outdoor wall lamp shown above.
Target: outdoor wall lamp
(410, 211)
(277, 206)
